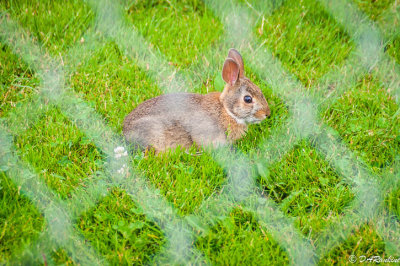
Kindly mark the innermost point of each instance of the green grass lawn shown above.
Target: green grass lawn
(306, 188)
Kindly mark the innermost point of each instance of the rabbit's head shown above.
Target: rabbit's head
(242, 99)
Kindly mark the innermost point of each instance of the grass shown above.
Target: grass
(17, 80)
(130, 241)
(393, 49)
(50, 25)
(368, 120)
(307, 41)
(70, 157)
(159, 20)
(364, 241)
(184, 179)
(307, 188)
(227, 241)
(305, 38)
(20, 221)
(122, 85)
(373, 8)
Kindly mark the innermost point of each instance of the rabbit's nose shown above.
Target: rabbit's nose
(267, 111)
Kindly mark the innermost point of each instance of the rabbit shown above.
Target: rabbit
(212, 119)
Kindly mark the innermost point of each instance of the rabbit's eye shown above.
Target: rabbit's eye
(248, 99)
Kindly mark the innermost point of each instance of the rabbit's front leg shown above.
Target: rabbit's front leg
(212, 140)
(220, 141)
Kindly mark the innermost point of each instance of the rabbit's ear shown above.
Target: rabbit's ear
(230, 71)
(235, 55)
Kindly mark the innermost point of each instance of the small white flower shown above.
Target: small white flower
(122, 170)
(119, 149)
(119, 152)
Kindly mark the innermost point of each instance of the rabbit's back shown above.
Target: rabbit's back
(172, 119)
(168, 104)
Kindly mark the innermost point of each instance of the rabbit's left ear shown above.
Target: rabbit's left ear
(230, 71)
(235, 55)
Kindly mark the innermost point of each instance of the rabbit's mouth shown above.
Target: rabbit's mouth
(257, 121)
(254, 120)
(245, 120)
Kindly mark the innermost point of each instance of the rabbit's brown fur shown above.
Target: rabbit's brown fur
(186, 118)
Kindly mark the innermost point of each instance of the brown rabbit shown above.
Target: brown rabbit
(186, 118)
